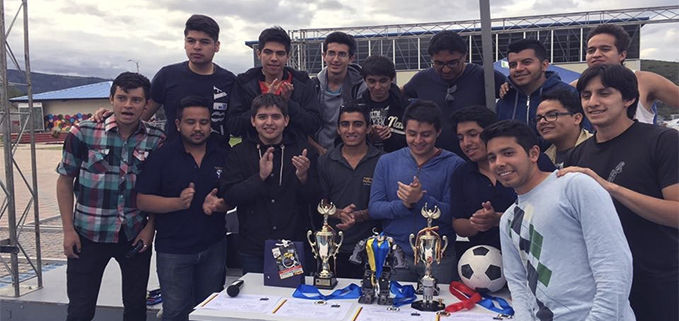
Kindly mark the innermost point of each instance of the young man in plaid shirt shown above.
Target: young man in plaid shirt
(106, 158)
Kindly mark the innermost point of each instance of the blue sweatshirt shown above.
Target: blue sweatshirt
(397, 220)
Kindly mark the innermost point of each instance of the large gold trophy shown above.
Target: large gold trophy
(427, 248)
(325, 247)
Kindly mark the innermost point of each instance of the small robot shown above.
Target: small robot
(380, 256)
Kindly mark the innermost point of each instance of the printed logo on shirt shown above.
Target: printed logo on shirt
(219, 107)
(396, 125)
(218, 172)
(617, 170)
(367, 181)
(218, 93)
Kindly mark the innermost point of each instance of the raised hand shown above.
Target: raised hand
(266, 164)
(485, 218)
(411, 193)
(186, 196)
(213, 203)
(302, 164)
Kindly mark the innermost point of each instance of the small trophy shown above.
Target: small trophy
(325, 247)
(427, 248)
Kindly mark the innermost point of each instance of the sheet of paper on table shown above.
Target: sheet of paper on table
(309, 309)
(241, 303)
(405, 313)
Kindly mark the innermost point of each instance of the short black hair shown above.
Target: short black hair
(523, 44)
(267, 100)
(192, 101)
(377, 65)
(275, 34)
(447, 40)
(132, 80)
(522, 133)
(614, 76)
(622, 38)
(355, 107)
(199, 22)
(341, 38)
(483, 116)
(567, 99)
(423, 111)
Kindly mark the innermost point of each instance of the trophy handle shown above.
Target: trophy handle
(445, 244)
(412, 243)
(341, 235)
(312, 243)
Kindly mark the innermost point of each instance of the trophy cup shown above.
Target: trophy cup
(325, 247)
(427, 248)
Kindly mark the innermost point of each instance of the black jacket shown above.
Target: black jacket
(394, 118)
(276, 208)
(305, 117)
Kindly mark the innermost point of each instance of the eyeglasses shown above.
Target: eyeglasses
(551, 116)
(452, 64)
(341, 54)
(450, 92)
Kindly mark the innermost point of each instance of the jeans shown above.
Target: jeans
(83, 279)
(187, 279)
(444, 273)
(252, 263)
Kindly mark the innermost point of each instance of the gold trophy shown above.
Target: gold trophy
(427, 248)
(325, 247)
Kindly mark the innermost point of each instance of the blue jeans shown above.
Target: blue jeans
(444, 273)
(187, 279)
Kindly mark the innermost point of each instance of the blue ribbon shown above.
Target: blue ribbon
(487, 303)
(380, 251)
(403, 294)
(351, 291)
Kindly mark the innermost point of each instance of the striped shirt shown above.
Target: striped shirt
(106, 167)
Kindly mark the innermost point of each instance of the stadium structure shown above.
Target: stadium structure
(564, 36)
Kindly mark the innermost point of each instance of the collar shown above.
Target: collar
(111, 124)
(336, 153)
(178, 145)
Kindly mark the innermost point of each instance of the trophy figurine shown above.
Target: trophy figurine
(325, 247)
(427, 248)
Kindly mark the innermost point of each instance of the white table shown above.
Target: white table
(254, 285)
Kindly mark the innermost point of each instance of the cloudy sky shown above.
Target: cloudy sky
(96, 38)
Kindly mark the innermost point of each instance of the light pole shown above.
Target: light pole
(136, 63)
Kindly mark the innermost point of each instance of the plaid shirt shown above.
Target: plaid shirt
(106, 167)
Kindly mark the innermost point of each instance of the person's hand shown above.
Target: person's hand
(101, 114)
(504, 89)
(186, 196)
(72, 240)
(266, 164)
(575, 169)
(346, 215)
(302, 164)
(146, 237)
(380, 133)
(213, 203)
(411, 193)
(286, 90)
(485, 218)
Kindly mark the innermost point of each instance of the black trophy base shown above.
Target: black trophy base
(428, 306)
(325, 283)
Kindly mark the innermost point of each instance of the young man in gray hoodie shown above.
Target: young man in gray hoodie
(335, 86)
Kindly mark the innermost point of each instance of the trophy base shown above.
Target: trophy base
(428, 306)
(325, 283)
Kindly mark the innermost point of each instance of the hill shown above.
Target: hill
(45, 82)
(669, 70)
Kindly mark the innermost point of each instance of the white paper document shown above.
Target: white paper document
(316, 310)
(382, 313)
(241, 303)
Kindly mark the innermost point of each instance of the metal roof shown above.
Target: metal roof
(92, 91)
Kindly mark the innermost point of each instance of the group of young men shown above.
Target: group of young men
(380, 154)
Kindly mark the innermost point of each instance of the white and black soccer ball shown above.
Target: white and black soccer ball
(480, 268)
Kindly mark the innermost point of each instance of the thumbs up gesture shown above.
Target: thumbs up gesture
(186, 196)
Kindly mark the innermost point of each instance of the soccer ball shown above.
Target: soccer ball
(480, 268)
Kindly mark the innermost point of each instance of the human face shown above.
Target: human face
(194, 125)
(510, 163)
(604, 106)
(353, 129)
(270, 123)
(378, 86)
(421, 138)
(469, 134)
(566, 124)
(200, 48)
(273, 58)
(128, 105)
(601, 49)
(449, 65)
(337, 58)
(526, 70)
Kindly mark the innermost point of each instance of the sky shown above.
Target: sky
(97, 38)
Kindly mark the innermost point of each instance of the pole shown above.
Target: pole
(488, 71)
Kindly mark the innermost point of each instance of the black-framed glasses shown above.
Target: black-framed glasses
(450, 92)
(341, 54)
(551, 116)
(452, 64)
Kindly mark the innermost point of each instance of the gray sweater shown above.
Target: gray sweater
(565, 256)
